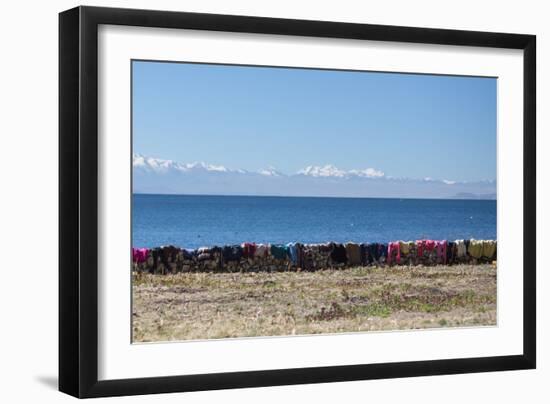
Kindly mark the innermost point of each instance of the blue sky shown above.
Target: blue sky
(253, 118)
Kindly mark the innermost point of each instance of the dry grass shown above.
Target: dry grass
(224, 305)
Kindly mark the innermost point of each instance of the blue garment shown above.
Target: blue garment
(382, 250)
(232, 253)
(451, 251)
(365, 256)
(279, 251)
(373, 252)
(188, 254)
(293, 252)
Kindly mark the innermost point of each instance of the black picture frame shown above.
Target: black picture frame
(78, 201)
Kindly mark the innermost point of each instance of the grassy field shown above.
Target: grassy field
(224, 305)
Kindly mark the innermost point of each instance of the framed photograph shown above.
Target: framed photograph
(250, 201)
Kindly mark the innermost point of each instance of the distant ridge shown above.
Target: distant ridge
(158, 176)
(469, 195)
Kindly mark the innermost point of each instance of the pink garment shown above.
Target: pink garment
(424, 245)
(441, 247)
(420, 247)
(430, 245)
(394, 246)
(139, 255)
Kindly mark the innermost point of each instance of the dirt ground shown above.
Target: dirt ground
(225, 305)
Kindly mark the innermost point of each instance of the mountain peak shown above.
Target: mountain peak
(270, 172)
(330, 170)
(322, 171)
(368, 172)
(161, 165)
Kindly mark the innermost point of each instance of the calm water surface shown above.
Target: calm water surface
(194, 221)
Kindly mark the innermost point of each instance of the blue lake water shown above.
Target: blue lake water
(194, 221)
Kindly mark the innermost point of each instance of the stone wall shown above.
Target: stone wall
(250, 257)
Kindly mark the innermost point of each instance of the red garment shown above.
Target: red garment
(249, 249)
(394, 246)
(442, 250)
(420, 247)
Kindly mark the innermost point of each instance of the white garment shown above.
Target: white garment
(460, 248)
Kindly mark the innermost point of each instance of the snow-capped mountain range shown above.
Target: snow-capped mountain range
(162, 166)
(154, 175)
(331, 171)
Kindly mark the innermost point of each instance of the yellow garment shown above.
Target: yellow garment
(475, 249)
(489, 248)
(404, 247)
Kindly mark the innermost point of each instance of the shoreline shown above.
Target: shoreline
(252, 257)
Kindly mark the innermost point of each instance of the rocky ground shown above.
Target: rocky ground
(224, 305)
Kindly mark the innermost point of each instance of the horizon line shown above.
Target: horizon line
(316, 196)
